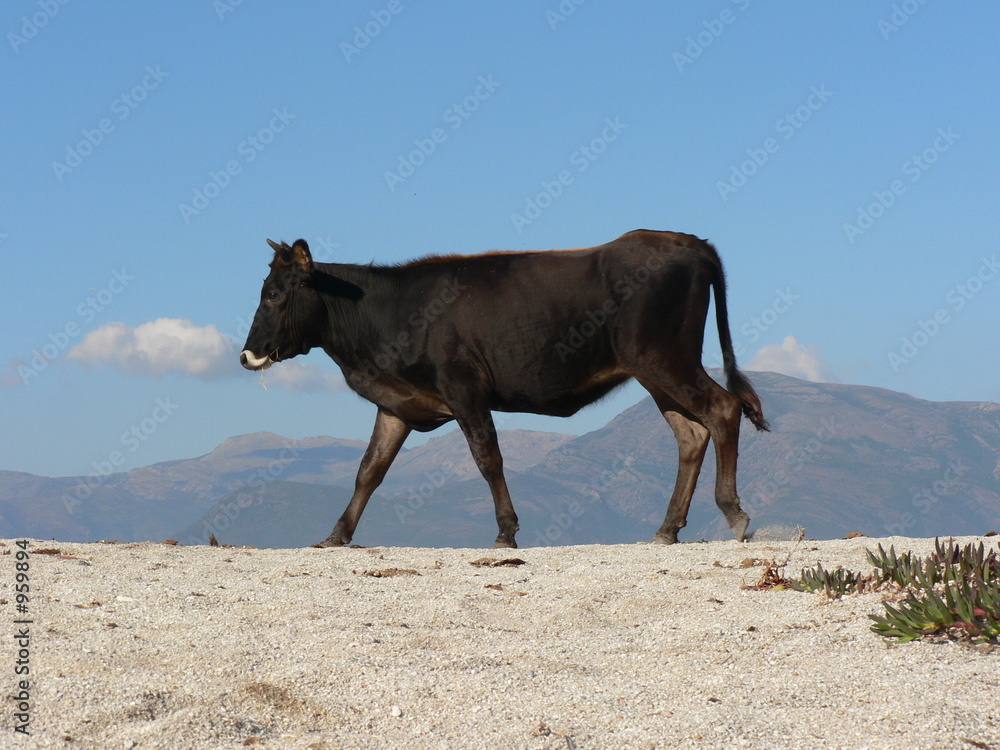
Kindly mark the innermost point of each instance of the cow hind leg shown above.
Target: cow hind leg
(692, 442)
(387, 438)
(727, 411)
(719, 412)
(481, 435)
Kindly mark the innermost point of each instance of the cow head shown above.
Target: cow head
(288, 318)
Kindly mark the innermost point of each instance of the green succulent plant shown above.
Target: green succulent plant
(834, 583)
(954, 592)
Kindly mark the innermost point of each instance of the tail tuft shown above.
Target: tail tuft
(739, 385)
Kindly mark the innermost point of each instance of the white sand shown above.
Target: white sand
(629, 646)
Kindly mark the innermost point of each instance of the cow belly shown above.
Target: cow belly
(563, 401)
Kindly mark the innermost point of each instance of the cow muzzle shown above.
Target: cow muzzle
(252, 362)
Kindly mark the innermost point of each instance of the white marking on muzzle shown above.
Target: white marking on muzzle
(257, 363)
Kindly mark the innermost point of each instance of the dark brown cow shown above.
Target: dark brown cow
(457, 337)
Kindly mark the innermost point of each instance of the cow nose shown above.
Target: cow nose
(243, 358)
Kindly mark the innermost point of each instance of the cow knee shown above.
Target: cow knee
(490, 465)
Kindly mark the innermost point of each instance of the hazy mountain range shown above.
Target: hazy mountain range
(840, 458)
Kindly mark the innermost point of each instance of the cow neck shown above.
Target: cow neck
(350, 328)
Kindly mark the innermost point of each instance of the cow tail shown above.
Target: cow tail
(736, 382)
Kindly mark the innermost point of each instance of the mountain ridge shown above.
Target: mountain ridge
(839, 458)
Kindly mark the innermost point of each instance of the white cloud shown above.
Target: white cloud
(173, 345)
(158, 347)
(792, 358)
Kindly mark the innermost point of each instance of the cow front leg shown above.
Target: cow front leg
(387, 438)
(481, 435)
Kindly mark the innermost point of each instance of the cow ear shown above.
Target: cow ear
(301, 255)
(337, 287)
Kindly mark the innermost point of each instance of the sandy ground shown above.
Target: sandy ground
(628, 646)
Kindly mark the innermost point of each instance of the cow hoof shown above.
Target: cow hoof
(664, 539)
(329, 542)
(739, 526)
(503, 544)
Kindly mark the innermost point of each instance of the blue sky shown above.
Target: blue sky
(842, 157)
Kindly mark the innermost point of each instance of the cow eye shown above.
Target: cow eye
(272, 296)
